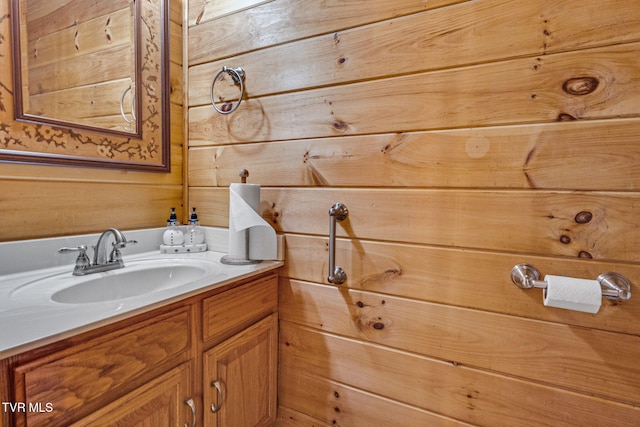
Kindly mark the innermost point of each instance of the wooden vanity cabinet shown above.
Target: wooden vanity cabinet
(152, 369)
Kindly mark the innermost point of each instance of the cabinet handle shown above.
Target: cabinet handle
(215, 408)
(189, 402)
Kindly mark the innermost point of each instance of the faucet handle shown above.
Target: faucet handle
(115, 255)
(82, 261)
(82, 249)
(123, 244)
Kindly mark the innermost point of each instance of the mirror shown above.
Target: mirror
(90, 84)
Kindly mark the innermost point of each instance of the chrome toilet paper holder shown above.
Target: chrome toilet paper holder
(614, 286)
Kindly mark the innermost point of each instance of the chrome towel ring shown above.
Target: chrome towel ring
(237, 74)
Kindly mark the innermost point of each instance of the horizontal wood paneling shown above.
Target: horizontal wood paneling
(51, 16)
(474, 396)
(541, 222)
(554, 354)
(527, 90)
(78, 102)
(438, 40)
(550, 156)
(458, 277)
(111, 30)
(337, 404)
(290, 418)
(464, 138)
(64, 208)
(201, 11)
(285, 20)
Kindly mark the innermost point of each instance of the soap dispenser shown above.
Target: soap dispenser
(194, 235)
(173, 236)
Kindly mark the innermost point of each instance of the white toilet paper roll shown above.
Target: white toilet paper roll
(250, 236)
(572, 294)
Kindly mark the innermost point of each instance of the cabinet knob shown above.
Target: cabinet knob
(215, 408)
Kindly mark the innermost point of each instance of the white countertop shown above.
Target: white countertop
(27, 325)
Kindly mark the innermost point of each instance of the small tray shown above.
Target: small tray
(183, 249)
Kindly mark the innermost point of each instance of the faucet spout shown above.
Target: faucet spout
(100, 249)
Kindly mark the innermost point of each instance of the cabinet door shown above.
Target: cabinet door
(160, 402)
(240, 377)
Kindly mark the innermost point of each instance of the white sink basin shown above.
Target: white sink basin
(135, 279)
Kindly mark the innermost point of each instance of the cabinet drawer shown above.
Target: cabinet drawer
(75, 381)
(230, 311)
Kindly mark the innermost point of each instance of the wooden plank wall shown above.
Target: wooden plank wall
(45, 201)
(464, 137)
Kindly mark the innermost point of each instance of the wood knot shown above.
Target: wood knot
(564, 117)
(378, 325)
(340, 125)
(580, 85)
(393, 272)
(565, 239)
(585, 254)
(583, 217)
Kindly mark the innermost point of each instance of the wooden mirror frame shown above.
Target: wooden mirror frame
(26, 140)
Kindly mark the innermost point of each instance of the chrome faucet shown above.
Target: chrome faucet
(101, 262)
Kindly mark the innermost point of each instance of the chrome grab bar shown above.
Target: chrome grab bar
(338, 212)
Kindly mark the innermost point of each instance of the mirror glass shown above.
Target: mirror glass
(90, 83)
(78, 63)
